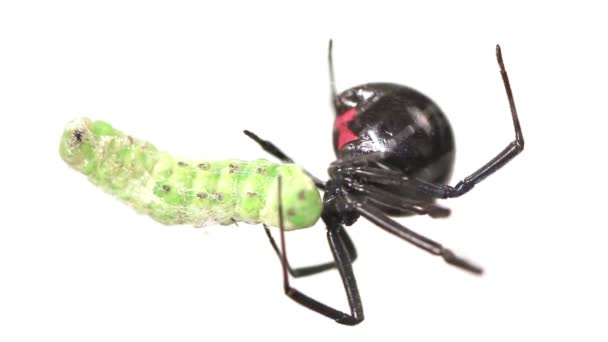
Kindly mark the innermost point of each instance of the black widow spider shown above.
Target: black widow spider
(395, 153)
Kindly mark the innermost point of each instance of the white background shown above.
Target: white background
(77, 265)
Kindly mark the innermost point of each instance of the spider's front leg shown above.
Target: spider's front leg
(363, 170)
(342, 261)
(304, 271)
(272, 149)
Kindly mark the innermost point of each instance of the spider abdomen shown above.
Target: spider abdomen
(396, 126)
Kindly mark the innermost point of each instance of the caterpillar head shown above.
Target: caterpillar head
(300, 200)
(81, 141)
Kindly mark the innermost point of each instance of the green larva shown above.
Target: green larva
(180, 191)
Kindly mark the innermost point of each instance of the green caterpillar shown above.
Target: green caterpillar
(179, 191)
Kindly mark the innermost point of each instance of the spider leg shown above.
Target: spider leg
(400, 204)
(314, 269)
(343, 263)
(335, 100)
(332, 78)
(512, 150)
(275, 151)
(381, 220)
(269, 147)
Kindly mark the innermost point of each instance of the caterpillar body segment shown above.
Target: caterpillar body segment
(181, 191)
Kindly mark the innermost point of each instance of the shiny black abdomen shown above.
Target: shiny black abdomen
(396, 126)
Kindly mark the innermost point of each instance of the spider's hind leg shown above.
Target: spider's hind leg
(380, 219)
